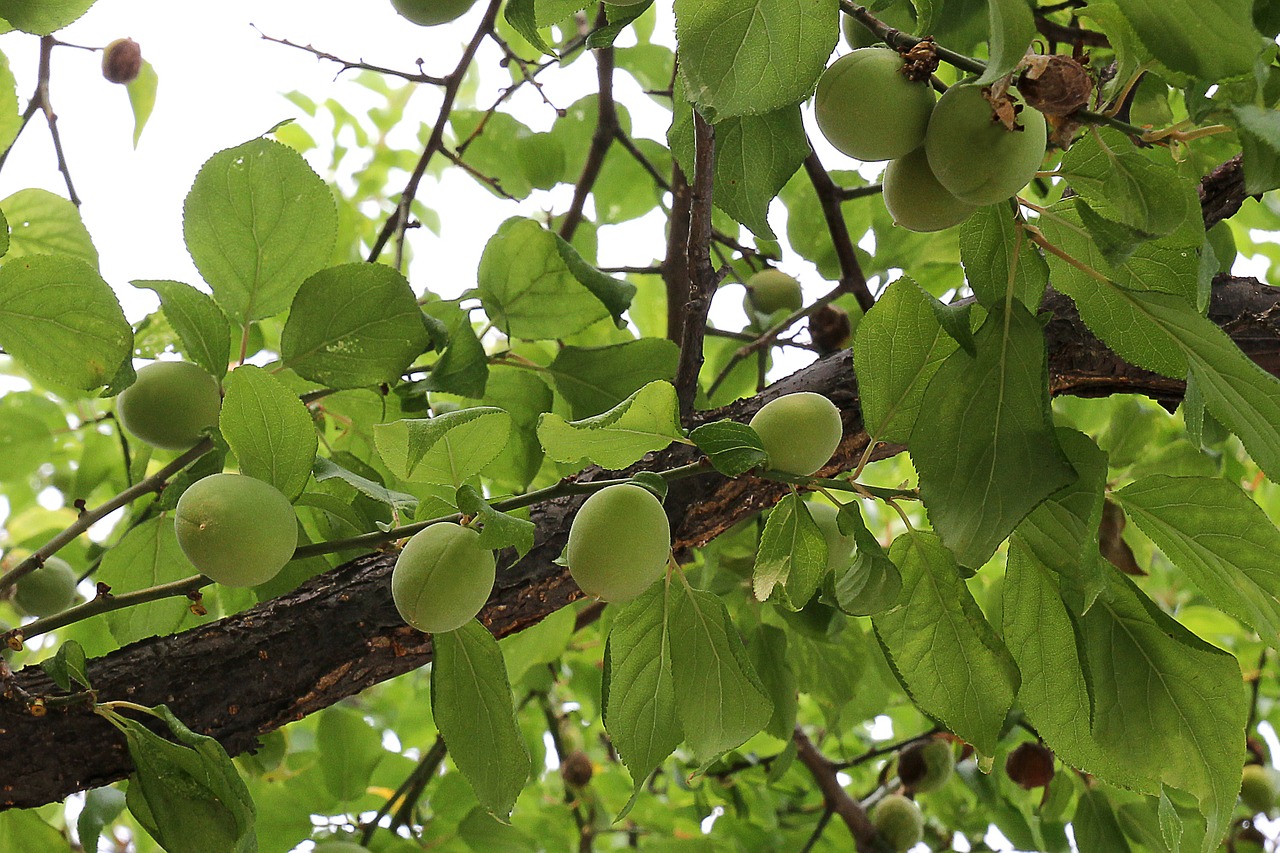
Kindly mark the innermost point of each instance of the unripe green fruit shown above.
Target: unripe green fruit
(48, 590)
(975, 157)
(839, 547)
(916, 200)
(799, 432)
(619, 543)
(1258, 788)
(900, 16)
(926, 766)
(899, 822)
(442, 578)
(868, 110)
(169, 404)
(772, 290)
(236, 530)
(429, 13)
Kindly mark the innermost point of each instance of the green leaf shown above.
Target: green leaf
(730, 52)
(1012, 29)
(1123, 185)
(595, 379)
(647, 420)
(1259, 131)
(1062, 533)
(522, 15)
(1219, 538)
(768, 649)
(22, 829)
(525, 396)
(66, 667)
(987, 455)
(471, 703)
(792, 558)
(1239, 393)
(1222, 43)
(620, 17)
(499, 529)
(10, 118)
(61, 321)
(187, 795)
(527, 287)
(326, 469)
(101, 807)
(269, 429)
(199, 322)
(42, 223)
(147, 556)
(613, 294)
(639, 698)
(949, 658)
(142, 98)
(870, 583)
(42, 17)
(257, 222)
(1000, 260)
(349, 749)
(447, 449)
(898, 348)
(463, 367)
(353, 325)
(733, 448)
(755, 157)
(1095, 826)
(719, 698)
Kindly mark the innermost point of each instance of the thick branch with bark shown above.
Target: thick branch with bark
(339, 633)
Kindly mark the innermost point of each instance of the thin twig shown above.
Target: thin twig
(605, 133)
(835, 796)
(348, 64)
(675, 268)
(427, 767)
(851, 278)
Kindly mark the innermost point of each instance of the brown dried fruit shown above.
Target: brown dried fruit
(576, 769)
(121, 61)
(829, 328)
(1056, 85)
(1030, 765)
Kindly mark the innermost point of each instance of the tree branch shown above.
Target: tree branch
(701, 275)
(829, 196)
(606, 132)
(837, 798)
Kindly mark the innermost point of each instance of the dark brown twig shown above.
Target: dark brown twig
(702, 277)
(836, 797)
(605, 133)
(360, 64)
(851, 278)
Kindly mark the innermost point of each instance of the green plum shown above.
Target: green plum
(799, 432)
(170, 404)
(926, 765)
(618, 543)
(916, 200)
(442, 578)
(48, 590)
(236, 530)
(867, 109)
(973, 155)
(772, 290)
(900, 16)
(1258, 788)
(430, 13)
(899, 822)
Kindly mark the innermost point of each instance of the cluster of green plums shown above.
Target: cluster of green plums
(236, 530)
(924, 766)
(947, 158)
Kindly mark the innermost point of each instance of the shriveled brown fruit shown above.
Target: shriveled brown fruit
(1030, 765)
(576, 769)
(121, 61)
(1056, 85)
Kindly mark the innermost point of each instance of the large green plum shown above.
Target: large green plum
(429, 13)
(799, 432)
(899, 822)
(48, 590)
(169, 404)
(867, 109)
(926, 765)
(973, 155)
(236, 530)
(1258, 788)
(442, 578)
(618, 543)
(900, 16)
(772, 290)
(916, 200)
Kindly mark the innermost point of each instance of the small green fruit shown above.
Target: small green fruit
(916, 200)
(619, 543)
(868, 110)
(840, 548)
(926, 766)
(899, 822)
(1258, 788)
(799, 432)
(170, 404)
(236, 530)
(121, 61)
(48, 590)
(976, 158)
(442, 578)
(772, 290)
(429, 13)
(900, 16)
